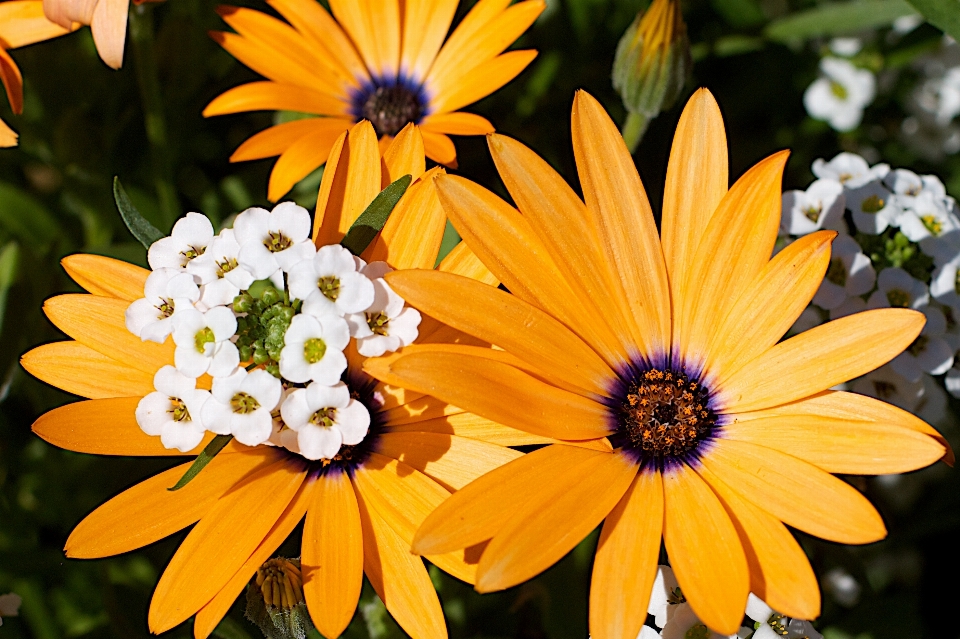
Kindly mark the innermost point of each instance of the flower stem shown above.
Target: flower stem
(633, 129)
(145, 59)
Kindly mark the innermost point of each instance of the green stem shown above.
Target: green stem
(148, 77)
(633, 129)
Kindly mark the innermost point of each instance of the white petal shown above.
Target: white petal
(318, 305)
(757, 609)
(165, 253)
(186, 324)
(168, 380)
(377, 345)
(936, 357)
(376, 270)
(327, 396)
(288, 439)
(194, 229)
(292, 220)
(255, 257)
(183, 285)
(264, 387)
(334, 259)
(224, 388)
(219, 292)
(299, 252)
(302, 280)
(139, 315)
(356, 293)
(319, 443)
(157, 331)
(225, 360)
(336, 333)
(190, 362)
(153, 412)
(295, 409)
(293, 366)
(252, 429)
(184, 436)
(353, 421)
(905, 364)
(223, 321)
(329, 369)
(357, 323)
(216, 416)
(251, 226)
(404, 326)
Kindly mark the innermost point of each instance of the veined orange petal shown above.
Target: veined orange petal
(479, 510)
(614, 194)
(156, 511)
(503, 319)
(399, 577)
(98, 322)
(374, 27)
(481, 15)
(210, 615)
(266, 60)
(332, 561)
(799, 494)
(704, 550)
(733, 249)
(78, 369)
(23, 22)
(817, 359)
(463, 261)
(470, 426)
(482, 80)
(772, 303)
(275, 96)
(696, 182)
(413, 233)
(109, 29)
(302, 157)
(218, 546)
(404, 156)
(279, 138)
(106, 276)
(350, 182)
(439, 148)
(8, 137)
(425, 24)
(451, 461)
(780, 573)
(103, 427)
(626, 561)
(554, 520)
(12, 81)
(500, 392)
(458, 123)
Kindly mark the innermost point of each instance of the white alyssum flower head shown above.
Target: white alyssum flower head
(9, 606)
(272, 240)
(820, 206)
(166, 292)
(849, 169)
(928, 217)
(219, 272)
(321, 419)
(313, 349)
(945, 284)
(898, 289)
(173, 410)
(850, 274)
(331, 283)
(773, 625)
(388, 324)
(929, 353)
(840, 94)
(240, 405)
(907, 185)
(873, 207)
(203, 342)
(189, 239)
(665, 593)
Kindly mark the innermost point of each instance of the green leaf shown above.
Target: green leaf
(838, 18)
(373, 219)
(141, 229)
(9, 260)
(25, 217)
(943, 14)
(230, 629)
(205, 457)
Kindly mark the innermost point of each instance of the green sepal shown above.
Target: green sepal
(145, 232)
(205, 457)
(374, 218)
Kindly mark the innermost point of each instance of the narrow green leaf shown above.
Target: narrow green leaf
(9, 261)
(837, 18)
(943, 14)
(141, 229)
(25, 217)
(205, 457)
(373, 219)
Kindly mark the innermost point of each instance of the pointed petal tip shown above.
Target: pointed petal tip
(224, 10)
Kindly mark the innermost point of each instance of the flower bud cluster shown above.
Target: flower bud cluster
(268, 316)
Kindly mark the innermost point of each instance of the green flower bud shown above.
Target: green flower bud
(275, 600)
(243, 303)
(271, 296)
(257, 288)
(260, 355)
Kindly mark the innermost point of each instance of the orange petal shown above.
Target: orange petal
(210, 615)
(705, 551)
(479, 510)
(481, 80)
(109, 28)
(780, 573)
(413, 233)
(302, 157)
(554, 520)
(374, 27)
(274, 96)
(149, 511)
(399, 577)
(614, 193)
(472, 426)
(439, 148)
(77, 369)
(457, 123)
(404, 156)
(23, 22)
(332, 561)
(799, 494)
(266, 59)
(103, 427)
(626, 561)
(462, 38)
(463, 261)
(425, 25)
(12, 81)
(8, 137)
(819, 358)
(218, 546)
(277, 139)
(106, 276)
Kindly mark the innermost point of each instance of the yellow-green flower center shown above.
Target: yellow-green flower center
(932, 224)
(812, 212)
(314, 349)
(378, 323)
(872, 204)
(192, 252)
(837, 272)
(838, 90)
(226, 266)
(329, 285)
(277, 242)
(898, 298)
(165, 308)
(244, 403)
(325, 417)
(203, 337)
(179, 410)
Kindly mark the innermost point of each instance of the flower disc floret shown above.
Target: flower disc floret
(191, 236)
(321, 419)
(172, 412)
(166, 292)
(313, 349)
(273, 240)
(240, 405)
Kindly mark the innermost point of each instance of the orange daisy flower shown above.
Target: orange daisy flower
(380, 60)
(669, 345)
(361, 509)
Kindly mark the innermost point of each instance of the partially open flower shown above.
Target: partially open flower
(275, 600)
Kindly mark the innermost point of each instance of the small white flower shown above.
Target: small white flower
(664, 594)
(240, 405)
(313, 349)
(850, 274)
(774, 625)
(849, 169)
(321, 419)
(907, 185)
(898, 289)
(683, 623)
(820, 206)
(945, 284)
(173, 410)
(840, 94)
(388, 323)
(272, 240)
(874, 208)
(846, 47)
(929, 353)
(887, 385)
(203, 342)
(928, 217)
(218, 271)
(166, 291)
(189, 239)
(331, 283)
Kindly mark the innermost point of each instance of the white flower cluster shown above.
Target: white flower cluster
(899, 246)
(268, 316)
(843, 90)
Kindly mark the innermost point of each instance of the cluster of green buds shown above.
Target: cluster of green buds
(265, 313)
(275, 600)
(651, 66)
